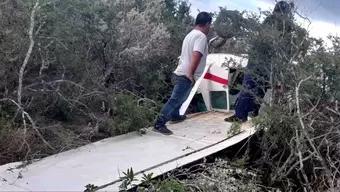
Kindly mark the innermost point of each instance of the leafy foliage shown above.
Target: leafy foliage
(127, 179)
(232, 24)
(97, 68)
(296, 117)
(222, 176)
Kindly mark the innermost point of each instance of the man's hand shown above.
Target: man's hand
(192, 79)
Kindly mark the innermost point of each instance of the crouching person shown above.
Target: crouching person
(257, 76)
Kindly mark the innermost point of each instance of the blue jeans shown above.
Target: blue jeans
(181, 91)
(248, 99)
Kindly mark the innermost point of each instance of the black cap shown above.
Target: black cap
(203, 18)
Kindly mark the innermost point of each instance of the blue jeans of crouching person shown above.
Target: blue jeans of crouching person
(249, 98)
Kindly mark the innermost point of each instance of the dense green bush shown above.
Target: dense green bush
(93, 71)
(129, 114)
(301, 133)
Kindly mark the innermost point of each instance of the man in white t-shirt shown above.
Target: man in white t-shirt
(191, 65)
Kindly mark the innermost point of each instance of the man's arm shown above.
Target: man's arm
(195, 61)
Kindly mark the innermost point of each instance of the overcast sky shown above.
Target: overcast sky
(324, 14)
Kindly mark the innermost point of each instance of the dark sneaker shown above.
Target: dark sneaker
(178, 119)
(233, 119)
(163, 129)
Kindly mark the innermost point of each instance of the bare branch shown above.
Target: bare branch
(29, 52)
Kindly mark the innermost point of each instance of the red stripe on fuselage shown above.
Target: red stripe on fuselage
(215, 78)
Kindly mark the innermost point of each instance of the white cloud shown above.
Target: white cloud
(322, 29)
(319, 29)
(206, 5)
(264, 5)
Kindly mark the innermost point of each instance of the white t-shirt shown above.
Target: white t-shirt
(196, 40)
